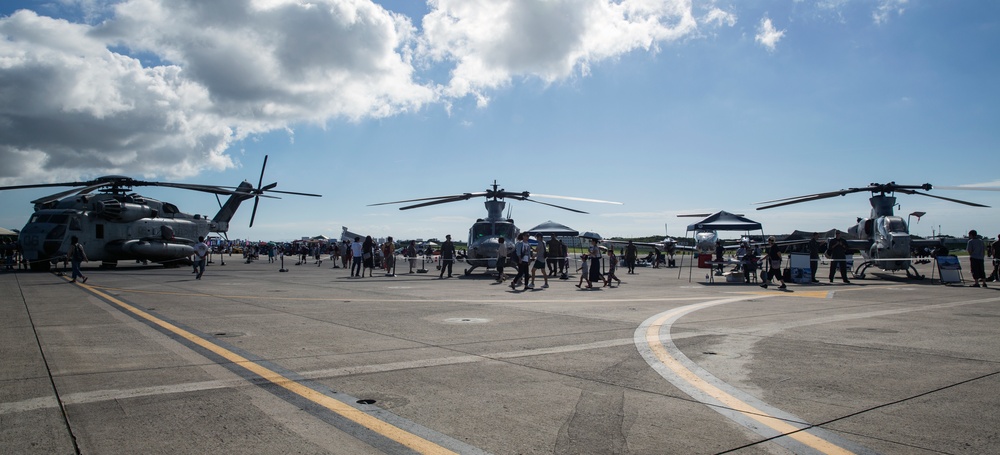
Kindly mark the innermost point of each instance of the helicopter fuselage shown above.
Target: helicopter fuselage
(484, 236)
(112, 227)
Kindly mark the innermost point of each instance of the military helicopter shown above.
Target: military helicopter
(484, 234)
(116, 224)
(883, 239)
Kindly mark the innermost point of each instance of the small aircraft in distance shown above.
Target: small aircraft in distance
(117, 224)
(485, 232)
(883, 239)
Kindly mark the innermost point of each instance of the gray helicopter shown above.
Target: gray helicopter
(883, 239)
(485, 232)
(116, 224)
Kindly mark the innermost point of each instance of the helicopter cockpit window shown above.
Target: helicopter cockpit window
(505, 230)
(39, 218)
(59, 219)
(169, 208)
(481, 230)
(893, 224)
(74, 224)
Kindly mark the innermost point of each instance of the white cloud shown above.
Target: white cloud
(492, 42)
(886, 8)
(166, 88)
(767, 35)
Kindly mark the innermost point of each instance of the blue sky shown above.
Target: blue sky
(668, 107)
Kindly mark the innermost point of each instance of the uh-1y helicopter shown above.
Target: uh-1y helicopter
(883, 239)
(116, 224)
(485, 233)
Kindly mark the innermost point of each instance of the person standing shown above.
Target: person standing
(411, 254)
(720, 256)
(447, 255)
(502, 253)
(539, 262)
(388, 254)
(356, 252)
(814, 256)
(995, 253)
(838, 255)
(368, 255)
(774, 263)
(77, 256)
(552, 251)
(201, 256)
(631, 255)
(977, 258)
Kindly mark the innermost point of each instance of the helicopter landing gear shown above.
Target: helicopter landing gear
(109, 264)
(468, 272)
(859, 271)
(914, 275)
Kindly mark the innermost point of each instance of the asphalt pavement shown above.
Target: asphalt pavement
(146, 359)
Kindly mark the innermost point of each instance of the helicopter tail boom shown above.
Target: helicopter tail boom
(220, 223)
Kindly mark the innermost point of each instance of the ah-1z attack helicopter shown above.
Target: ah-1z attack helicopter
(883, 239)
(485, 233)
(116, 224)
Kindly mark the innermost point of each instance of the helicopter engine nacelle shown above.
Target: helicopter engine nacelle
(113, 210)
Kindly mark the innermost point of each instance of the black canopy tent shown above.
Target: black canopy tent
(720, 221)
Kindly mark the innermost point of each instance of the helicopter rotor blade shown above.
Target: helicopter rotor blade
(439, 201)
(62, 194)
(801, 199)
(570, 198)
(295, 193)
(253, 214)
(963, 188)
(463, 196)
(556, 206)
(959, 201)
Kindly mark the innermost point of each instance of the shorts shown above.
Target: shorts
(539, 264)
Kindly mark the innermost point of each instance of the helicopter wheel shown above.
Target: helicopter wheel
(468, 272)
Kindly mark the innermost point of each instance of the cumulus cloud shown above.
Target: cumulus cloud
(491, 42)
(767, 35)
(159, 88)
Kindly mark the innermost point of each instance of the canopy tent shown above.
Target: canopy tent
(720, 221)
(7, 232)
(725, 221)
(553, 228)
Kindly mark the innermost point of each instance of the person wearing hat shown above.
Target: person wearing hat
(447, 255)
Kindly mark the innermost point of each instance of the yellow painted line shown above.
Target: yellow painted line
(808, 294)
(653, 340)
(392, 432)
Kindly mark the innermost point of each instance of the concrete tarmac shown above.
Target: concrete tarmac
(252, 360)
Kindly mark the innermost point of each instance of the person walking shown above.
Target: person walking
(612, 265)
(977, 258)
(814, 256)
(838, 256)
(522, 250)
(502, 253)
(594, 253)
(447, 255)
(539, 262)
(774, 263)
(77, 256)
(201, 256)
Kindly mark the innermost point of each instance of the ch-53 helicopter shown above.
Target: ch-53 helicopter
(117, 224)
(883, 239)
(485, 233)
